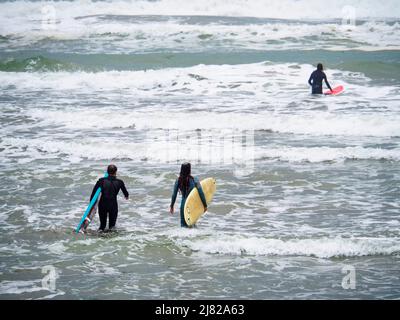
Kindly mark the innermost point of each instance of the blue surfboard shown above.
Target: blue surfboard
(92, 205)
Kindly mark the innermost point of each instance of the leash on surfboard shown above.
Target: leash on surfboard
(89, 207)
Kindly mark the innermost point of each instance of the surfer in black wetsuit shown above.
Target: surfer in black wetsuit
(110, 187)
(316, 80)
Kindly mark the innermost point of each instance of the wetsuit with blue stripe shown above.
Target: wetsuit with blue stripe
(110, 187)
(193, 182)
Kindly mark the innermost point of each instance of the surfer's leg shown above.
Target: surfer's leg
(103, 217)
(113, 214)
(317, 90)
(183, 222)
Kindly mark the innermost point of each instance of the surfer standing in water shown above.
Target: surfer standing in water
(316, 78)
(185, 183)
(108, 204)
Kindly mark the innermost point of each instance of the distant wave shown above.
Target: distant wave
(294, 9)
(148, 34)
(37, 64)
(376, 65)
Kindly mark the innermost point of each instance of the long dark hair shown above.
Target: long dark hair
(184, 178)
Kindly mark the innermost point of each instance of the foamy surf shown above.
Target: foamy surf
(158, 150)
(321, 248)
(306, 184)
(289, 9)
(316, 123)
(231, 93)
(136, 36)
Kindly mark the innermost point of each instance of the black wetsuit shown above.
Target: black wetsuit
(110, 187)
(316, 81)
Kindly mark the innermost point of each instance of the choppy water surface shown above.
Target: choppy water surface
(307, 186)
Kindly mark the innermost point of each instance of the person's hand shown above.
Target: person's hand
(205, 209)
(171, 209)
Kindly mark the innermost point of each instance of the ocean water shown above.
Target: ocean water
(307, 203)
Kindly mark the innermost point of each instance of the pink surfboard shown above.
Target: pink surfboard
(335, 91)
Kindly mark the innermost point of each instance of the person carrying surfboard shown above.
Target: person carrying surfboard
(185, 183)
(316, 79)
(108, 204)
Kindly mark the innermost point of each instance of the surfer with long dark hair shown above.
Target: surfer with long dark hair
(185, 183)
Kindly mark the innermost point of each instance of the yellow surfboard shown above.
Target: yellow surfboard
(194, 208)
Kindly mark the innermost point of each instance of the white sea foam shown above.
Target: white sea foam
(323, 248)
(264, 81)
(13, 248)
(23, 21)
(290, 9)
(320, 154)
(57, 248)
(318, 123)
(158, 150)
(257, 97)
(121, 38)
(234, 88)
(19, 287)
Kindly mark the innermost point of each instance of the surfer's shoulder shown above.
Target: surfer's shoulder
(120, 181)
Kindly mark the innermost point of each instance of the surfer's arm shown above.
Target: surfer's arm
(124, 191)
(97, 185)
(201, 193)
(309, 80)
(174, 193)
(327, 83)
